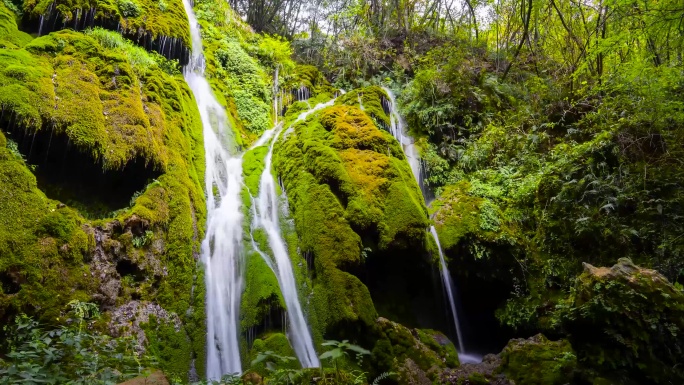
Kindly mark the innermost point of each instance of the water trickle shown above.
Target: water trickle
(398, 130)
(448, 286)
(222, 246)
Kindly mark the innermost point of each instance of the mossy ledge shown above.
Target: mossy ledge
(159, 26)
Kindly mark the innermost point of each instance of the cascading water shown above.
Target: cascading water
(398, 130)
(222, 245)
(268, 219)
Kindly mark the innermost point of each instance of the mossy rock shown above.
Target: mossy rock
(280, 352)
(347, 179)
(538, 361)
(626, 323)
(158, 25)
(10, 36)
(113, 105)
(413, 353)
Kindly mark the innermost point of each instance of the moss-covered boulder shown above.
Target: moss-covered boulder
(627, 323)
(418, 356)
(537, 360)
(351, 193)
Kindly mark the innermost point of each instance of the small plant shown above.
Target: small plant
(340, 350)
(129, 8)
(382, 376)
(68, 354)
(144, 240)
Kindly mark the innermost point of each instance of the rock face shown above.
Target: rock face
(104, 204)
(627, 322)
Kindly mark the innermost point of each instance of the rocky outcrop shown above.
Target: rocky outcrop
(115, 258)
(626, 322)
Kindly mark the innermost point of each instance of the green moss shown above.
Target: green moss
(440, 344)
(170, 346)
(158, 18)
(241, 83)
(398, 345)
(261, 292)
(346, 178)
(538, 361)
(117, 105)
(41, 246)
(10, 36)
(371, 99)
(277, 344)
(307, 76)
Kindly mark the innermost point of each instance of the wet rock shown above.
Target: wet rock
(127, 320)
(485, 372)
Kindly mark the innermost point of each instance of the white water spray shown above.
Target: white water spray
(398, 130)
(267, 218)
(222, 245)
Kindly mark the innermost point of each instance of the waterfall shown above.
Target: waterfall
(398, 130)
(268, 219)
(222, 246)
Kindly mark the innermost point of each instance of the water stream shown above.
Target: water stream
(222, 246)
(398, 130)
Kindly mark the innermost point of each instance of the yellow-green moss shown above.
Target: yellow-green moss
(10, 36)
(158, 18)
(372, 102)
(116, 107)
(346, 178)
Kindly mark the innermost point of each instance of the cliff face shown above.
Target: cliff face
(102, 163)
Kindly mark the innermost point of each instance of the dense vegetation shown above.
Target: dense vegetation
(550, 134)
